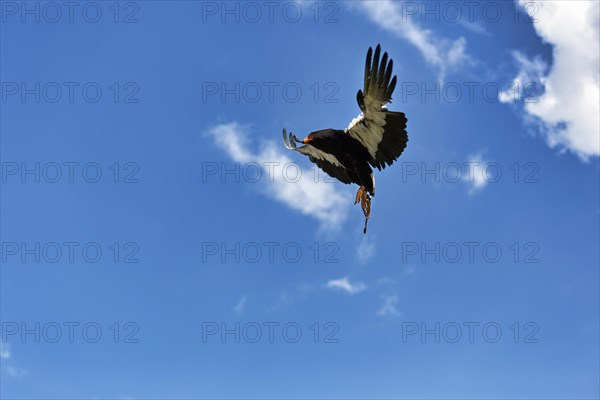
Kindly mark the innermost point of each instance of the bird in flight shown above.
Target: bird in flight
(376, 138)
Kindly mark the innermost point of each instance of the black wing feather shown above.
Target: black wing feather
(394, 140)
(381, 131)
(334, 171)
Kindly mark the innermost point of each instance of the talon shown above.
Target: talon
(359, 194)
(365, 204)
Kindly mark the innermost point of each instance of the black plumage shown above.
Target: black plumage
(376, 138)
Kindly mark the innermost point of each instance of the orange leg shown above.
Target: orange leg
(359, 194)
(365, 204)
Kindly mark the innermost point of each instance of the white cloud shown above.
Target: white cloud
(386, 280)
(10, 370)
(345, 285)
(527, 82)
(389, 307)
(4, 351)
(409, 271)
(568, 110)
(15, 372)
(240, 306)
(443, 54)
(365, 250)
(283, 301)
(476, 178)
(473, 26)
(308, 195)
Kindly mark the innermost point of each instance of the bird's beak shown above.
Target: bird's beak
(306, 140)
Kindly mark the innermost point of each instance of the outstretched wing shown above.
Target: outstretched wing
(381, 131)
(327, 162)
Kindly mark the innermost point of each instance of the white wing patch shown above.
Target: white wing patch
(354, 122)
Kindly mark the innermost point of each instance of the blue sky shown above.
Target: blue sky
(158, 241)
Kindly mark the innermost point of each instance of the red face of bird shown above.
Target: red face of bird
(308, 139)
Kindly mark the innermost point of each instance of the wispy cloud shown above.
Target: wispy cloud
(4, 351)
(473, 26)
(240, 306)
(389, 307)
(567, 110)
(284, 300)
(476, 179)
(443, 54)
(365, 249)
(308, 196)
(386, 280)
(345, 285)
(409, 271)
(15, 372)
(10, 370)
(525, 86)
